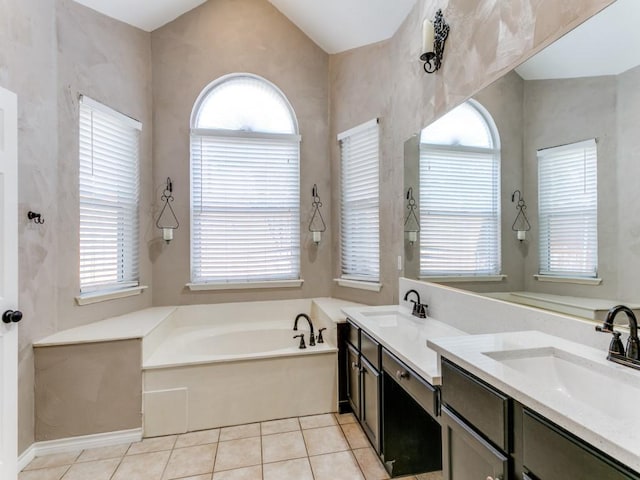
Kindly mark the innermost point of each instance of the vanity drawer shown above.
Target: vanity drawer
(485, 408)
(370, 349)
(353, 335)
(421, 391)
(553, 454)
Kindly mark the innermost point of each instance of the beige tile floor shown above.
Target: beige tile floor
(319, 447)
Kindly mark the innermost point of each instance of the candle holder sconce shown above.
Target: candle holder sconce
(316, 225)
(434, 36)
(521, 224)
(411, 223)
(167, 220)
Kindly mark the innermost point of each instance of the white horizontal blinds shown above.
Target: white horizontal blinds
(109, 183)
(245, 195)
(459, 211)
(245, 183)
(568, 210)
(360, 226)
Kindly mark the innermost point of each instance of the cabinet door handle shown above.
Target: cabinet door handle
(401, 374)
(497, 477)
(354, 366)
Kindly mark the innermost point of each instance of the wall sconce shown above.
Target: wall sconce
(433, 37)
(411, 223)
(521, 224)
(167, 225)
(317, 225)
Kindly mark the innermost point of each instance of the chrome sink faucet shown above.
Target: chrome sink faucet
(616, 351)
(312, 338)
(419, 309)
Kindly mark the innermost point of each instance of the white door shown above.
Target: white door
(8, 285)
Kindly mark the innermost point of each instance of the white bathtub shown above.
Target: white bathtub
(208, 366)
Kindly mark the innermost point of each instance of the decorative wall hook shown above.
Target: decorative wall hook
(35, 217)
(521, 223)
(411, 223)
(167, 225)
(316, 225)
(434, 36)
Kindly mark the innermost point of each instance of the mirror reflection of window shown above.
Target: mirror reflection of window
(460, 194)
(568, 210)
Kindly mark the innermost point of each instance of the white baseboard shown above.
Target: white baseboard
(75, 444)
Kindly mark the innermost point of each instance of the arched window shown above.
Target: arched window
(245, 183)
(460, 194)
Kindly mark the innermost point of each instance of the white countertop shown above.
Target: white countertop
(332, 307)
(404, 335)
(605, 418)
(131, 325)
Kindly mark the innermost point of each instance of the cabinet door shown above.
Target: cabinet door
(552, 454)
(353, 379)
(466, 455)
(371, 403)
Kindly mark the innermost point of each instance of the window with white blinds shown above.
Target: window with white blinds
(359, 221)
(568, 210)
(245, 184)
(460, 195)
(109, 198)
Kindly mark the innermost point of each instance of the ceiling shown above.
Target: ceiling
(606, 44)
(335, 25)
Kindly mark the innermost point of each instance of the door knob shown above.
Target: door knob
(12, 316)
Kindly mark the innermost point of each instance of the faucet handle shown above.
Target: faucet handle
(616, 344)
(302, 344)
(604, 329)
(320, 339)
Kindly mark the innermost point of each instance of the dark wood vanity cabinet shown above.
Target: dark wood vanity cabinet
(466, 454)
(487, 435)
(550, 453)
(363, 381)
(353, 380)
(476, 421)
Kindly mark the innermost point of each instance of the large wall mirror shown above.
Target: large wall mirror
(562, 133)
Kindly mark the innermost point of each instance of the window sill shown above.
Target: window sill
(199, 287)
(465, 278)
(97, 297)
(359, 284)
(575, 280)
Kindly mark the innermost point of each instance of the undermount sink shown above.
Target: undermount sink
(388, 317)
(598, 386)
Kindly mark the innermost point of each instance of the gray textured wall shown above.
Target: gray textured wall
(626, 184)
(110, 62)
(57, 49)
(215, 39)
(88, 388)
(563, 111)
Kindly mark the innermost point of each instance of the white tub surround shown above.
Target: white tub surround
(124, 327)
(404, 335)
(236, 363)
(570, 384)
(195, 367)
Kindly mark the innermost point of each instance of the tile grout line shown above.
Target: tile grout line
(306, 449)
(261, 454)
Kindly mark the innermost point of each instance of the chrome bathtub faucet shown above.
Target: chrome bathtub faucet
(312, 338)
